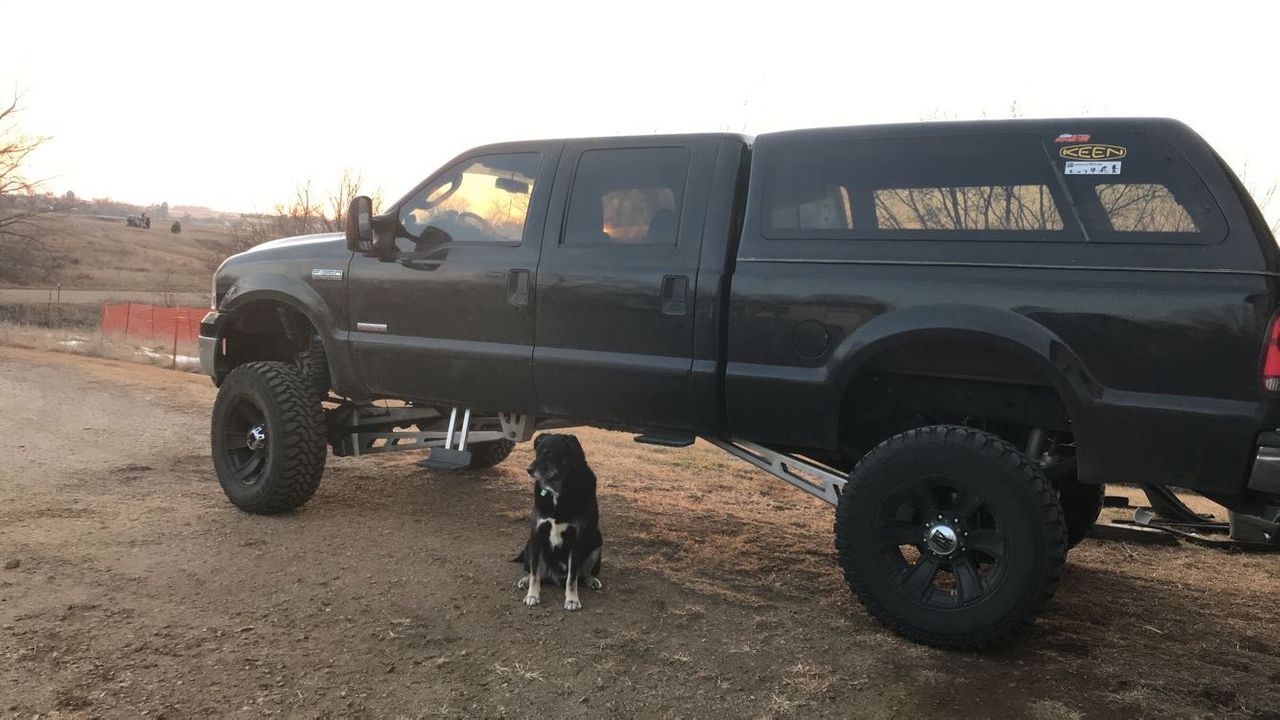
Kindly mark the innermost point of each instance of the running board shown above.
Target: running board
(665, 440)
(369, 430)
(821, 482)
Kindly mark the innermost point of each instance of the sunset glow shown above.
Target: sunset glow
(230, 106)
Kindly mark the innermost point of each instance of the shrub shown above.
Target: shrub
(176, 227)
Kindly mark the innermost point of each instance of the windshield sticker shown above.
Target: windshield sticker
(1093, 152)
(1092, 168)
(1071, 138)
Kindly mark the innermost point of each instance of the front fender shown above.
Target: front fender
(282, 289)
(324, 313)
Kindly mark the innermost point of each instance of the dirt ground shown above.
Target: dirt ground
(139, 590)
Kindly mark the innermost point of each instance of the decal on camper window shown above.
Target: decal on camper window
(1092, 168)
(1093, 152)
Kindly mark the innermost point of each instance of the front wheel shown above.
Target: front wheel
(268, 437)
(950, 537)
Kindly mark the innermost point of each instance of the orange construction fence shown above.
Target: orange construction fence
(177, 324)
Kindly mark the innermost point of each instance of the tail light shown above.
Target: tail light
(1271, 361)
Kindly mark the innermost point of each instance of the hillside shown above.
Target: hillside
(102, 254)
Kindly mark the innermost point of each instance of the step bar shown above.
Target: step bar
(369, 429)
(818, 480)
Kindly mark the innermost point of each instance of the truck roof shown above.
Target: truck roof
(1052, 126)
(931, 127)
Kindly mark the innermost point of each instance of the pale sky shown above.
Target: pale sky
(229, 104)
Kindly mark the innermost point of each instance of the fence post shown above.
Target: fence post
(174, 364)
(128, 312)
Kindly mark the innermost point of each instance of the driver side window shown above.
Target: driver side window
(482, 199)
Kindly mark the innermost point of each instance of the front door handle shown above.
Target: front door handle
(518, 282)
(675, 295)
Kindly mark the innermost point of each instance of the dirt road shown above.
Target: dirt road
(139, 590)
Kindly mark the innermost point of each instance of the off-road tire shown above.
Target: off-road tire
(1017, 497)
(1081, 503)
(315, 368)
(294, 425)
(487, 454)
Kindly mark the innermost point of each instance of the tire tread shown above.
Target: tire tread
(303, 445)
(1045, 499)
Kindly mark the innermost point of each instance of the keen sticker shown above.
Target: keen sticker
(1093, 152)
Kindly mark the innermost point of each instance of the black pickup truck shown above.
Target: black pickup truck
(956, 333)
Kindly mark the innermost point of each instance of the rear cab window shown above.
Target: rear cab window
(1008, 187)
(627, 196)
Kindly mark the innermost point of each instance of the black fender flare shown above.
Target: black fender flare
(999, 330)
(293, 293)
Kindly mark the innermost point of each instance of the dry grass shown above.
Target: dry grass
(107, 254)
(94, 344)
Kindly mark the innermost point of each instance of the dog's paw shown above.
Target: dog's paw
(572, 604)
(593, 583)
(523, 582)
(532, 600)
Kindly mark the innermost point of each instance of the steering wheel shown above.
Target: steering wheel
(472, 221)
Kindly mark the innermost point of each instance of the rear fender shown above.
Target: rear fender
(998, 331)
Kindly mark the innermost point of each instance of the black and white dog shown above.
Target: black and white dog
(564, 531)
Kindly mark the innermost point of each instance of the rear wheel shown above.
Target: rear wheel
(485, 455)
(1081, 503)
(949, 536)
(268, 437)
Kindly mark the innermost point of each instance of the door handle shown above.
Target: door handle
(675, 295)
(518, 281)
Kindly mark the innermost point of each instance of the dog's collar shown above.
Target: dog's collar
(544, 491)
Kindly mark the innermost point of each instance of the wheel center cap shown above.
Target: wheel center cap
(942, 539)
(256, 437)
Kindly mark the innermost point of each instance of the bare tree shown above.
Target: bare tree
(22, 250)
(308, 212)
(1264, 196)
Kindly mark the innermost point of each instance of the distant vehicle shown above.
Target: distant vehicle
(956, 333)
(139, 221)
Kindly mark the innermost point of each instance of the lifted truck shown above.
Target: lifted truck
(955, 333)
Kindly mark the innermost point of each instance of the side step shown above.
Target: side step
(452, 456)
(369, 429)
(820, 482)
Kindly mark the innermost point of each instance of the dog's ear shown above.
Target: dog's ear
(577, 449)
(538, 441)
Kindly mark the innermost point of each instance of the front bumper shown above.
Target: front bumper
(209, 334)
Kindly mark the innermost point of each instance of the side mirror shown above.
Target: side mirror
(360, 225)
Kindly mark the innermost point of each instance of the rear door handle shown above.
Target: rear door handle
(518, 281)
(675, 295)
